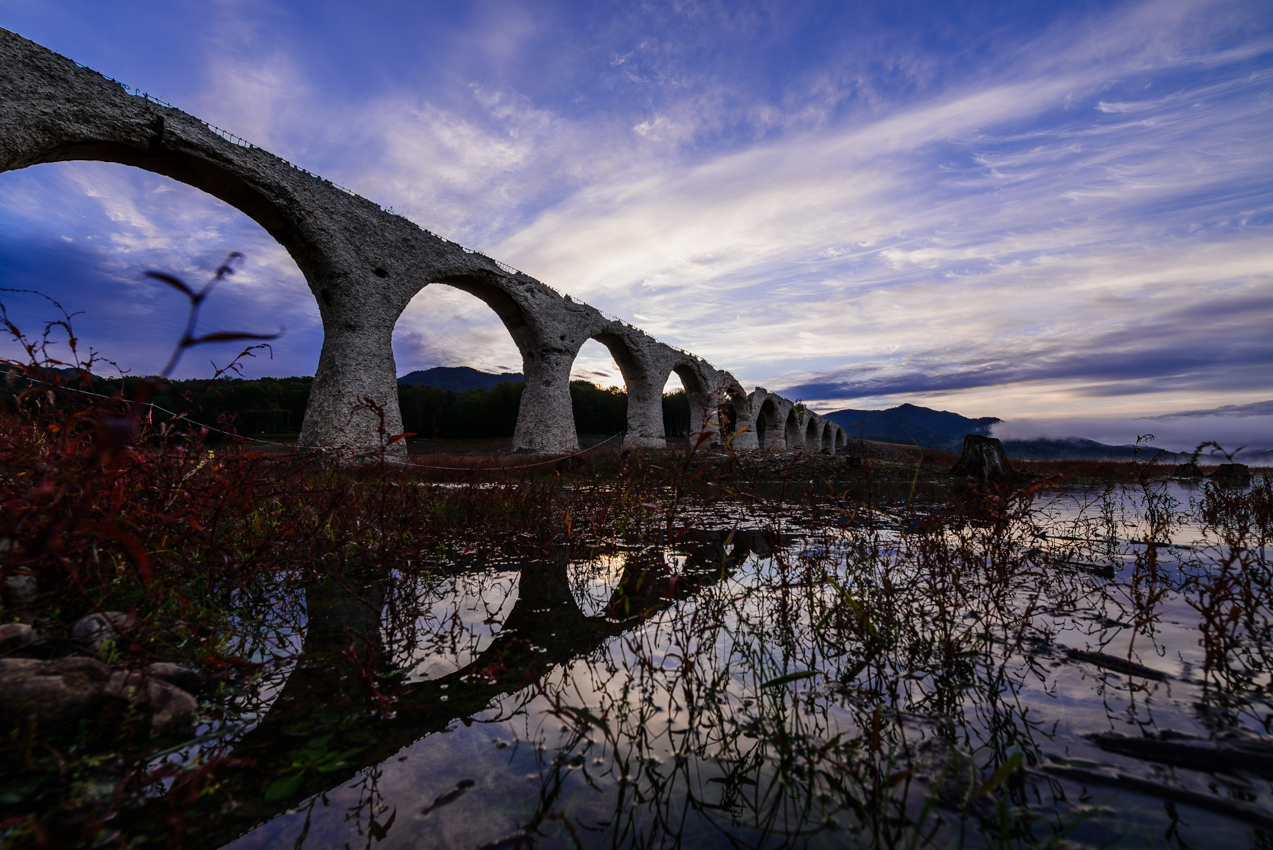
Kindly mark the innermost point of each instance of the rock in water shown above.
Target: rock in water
(1188, 470)
(168, 706)
(171, 708)
(982, 458)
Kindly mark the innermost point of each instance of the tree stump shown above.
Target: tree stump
(982, 458)
(1232, 475)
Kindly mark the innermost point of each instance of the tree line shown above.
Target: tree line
(277, 406)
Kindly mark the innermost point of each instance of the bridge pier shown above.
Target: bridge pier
(744, 436)
(353, 402)
(546, 419)
(645, 415)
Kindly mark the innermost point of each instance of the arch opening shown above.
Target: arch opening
(676, 408)
(599, 389)
(494, 297)
(204, 174)
(734, 409)
(767, 427)
(792, 428)
(696, 403)
(265, 193)
(460, 616)
(593, 582)
(828, 438)
(443, 396)
(83, 232)
(738, 417)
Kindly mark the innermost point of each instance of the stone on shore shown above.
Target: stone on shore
(169, 707)
(188, 680)
(51, 691)
(14, 636)
(96, 630)
(20, 590)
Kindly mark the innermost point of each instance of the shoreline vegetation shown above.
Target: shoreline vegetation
(276, 406)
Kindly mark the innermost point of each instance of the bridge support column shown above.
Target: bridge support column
(704, 416)
(356, 375)
(546, 420)
(744, 436)
(645, 416)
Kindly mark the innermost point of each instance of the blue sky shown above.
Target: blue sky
(1059, 214)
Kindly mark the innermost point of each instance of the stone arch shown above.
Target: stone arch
(702, 398)
(363, 264)
(841, 439)
(540, 425)
(828, 437)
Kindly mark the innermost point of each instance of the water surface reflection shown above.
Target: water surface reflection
(1092, 670)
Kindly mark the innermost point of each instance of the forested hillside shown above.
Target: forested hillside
(277, 406)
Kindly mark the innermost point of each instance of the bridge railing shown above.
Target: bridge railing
(221, 131)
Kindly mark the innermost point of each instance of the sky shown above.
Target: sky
(1056, 214)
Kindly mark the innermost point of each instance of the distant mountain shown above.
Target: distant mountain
(912, 424)
(458, 378)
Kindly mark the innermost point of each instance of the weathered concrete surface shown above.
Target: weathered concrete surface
(364, 265)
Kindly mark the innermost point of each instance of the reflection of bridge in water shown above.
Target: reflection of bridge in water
(364, 265)
(545, 630)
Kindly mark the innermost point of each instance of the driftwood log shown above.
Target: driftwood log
(983, 458)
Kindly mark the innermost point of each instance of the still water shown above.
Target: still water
(1089, 670)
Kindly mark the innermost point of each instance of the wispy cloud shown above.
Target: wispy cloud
(1009, 226)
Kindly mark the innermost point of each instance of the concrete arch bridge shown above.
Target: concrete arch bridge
(364, 264)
